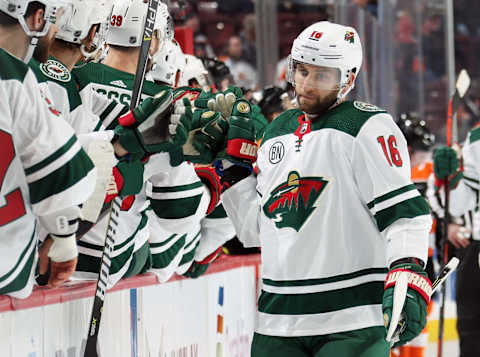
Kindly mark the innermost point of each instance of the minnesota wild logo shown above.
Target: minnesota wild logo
(55, 70)
(292, 202)
(349, 36)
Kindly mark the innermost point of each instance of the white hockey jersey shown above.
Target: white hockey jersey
(43, 169)
(332, 206)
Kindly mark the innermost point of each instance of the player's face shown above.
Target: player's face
(316, 87)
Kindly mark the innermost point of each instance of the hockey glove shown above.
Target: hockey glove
(224, 101)
(418, 297)
(205, 136)
(145, 129)
(199, 268)
(241, 148)
(210, 178)
(446, 163)
(128, 176)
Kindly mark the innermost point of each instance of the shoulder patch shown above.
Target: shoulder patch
(366, 107)
(55, 70)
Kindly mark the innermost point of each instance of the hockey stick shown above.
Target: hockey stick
(400, 293)
(102, 281)
(461, 87)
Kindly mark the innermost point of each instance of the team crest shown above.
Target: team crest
(55, 70)
(366, 107)
(350, 37)
(292, 202)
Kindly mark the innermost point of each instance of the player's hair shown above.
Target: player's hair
(8, 21)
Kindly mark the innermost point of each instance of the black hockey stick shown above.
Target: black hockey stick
(461, 87)
(102, 281)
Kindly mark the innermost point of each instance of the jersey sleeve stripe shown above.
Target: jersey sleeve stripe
(23, 266)
(218, 212)
(66, 176)
(331, 279)
(176, 208)
(186, 187)
(472, 183)
(369, 293)
(172, 195)
(111, 113)
(413, 207)
(394, 200)
(390, 195)
(190, 250)
(53, 157)
(162, 258)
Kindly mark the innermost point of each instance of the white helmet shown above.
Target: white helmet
(167, 63)
(17, 10)
(325, 44)
(81, 15)
(128, 20)
(194, 69)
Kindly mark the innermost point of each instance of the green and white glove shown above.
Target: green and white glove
(203, 133)
(446, 163)
(418, 297)
(241, 147)
(224, 101)
(144, 130)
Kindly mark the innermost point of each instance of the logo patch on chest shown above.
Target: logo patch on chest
(292, 202)
(276, 152)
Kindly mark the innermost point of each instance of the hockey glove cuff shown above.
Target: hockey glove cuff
(210, 178)
(418, 296)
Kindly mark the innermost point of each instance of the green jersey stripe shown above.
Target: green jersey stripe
(186, 187)
(45, 162)
(19, 261)
(218, 212)
(391, 194)
(176, 208)
(162, 260)
(332, 279)
(141, 225)
(22, 278)
(189, 256)
(410, 208)
(61, 179)
(141, 261)
(192, 241)
(301, 304)
(474, 135)
(165, 242)
(471, 179)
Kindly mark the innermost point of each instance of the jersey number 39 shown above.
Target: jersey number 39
(391, 153)
(14, 208)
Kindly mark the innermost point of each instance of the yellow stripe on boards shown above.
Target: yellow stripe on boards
(449, 332)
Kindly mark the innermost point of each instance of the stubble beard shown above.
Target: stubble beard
(320, 105)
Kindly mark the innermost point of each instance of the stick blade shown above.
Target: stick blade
(463, 83)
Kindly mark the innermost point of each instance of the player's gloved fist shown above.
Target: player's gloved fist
(223, 102)
(209, 177)
(241, 148)
(128, 176)
(203, 98)
(199, 268)
(418, 296)
(446, 163)
(145, 129)
(205, 139)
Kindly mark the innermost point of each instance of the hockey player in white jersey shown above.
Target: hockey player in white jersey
(333, 209)
(165, 235)
(44, 172)
(464, 177)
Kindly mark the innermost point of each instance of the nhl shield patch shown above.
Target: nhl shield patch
(55, 70)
